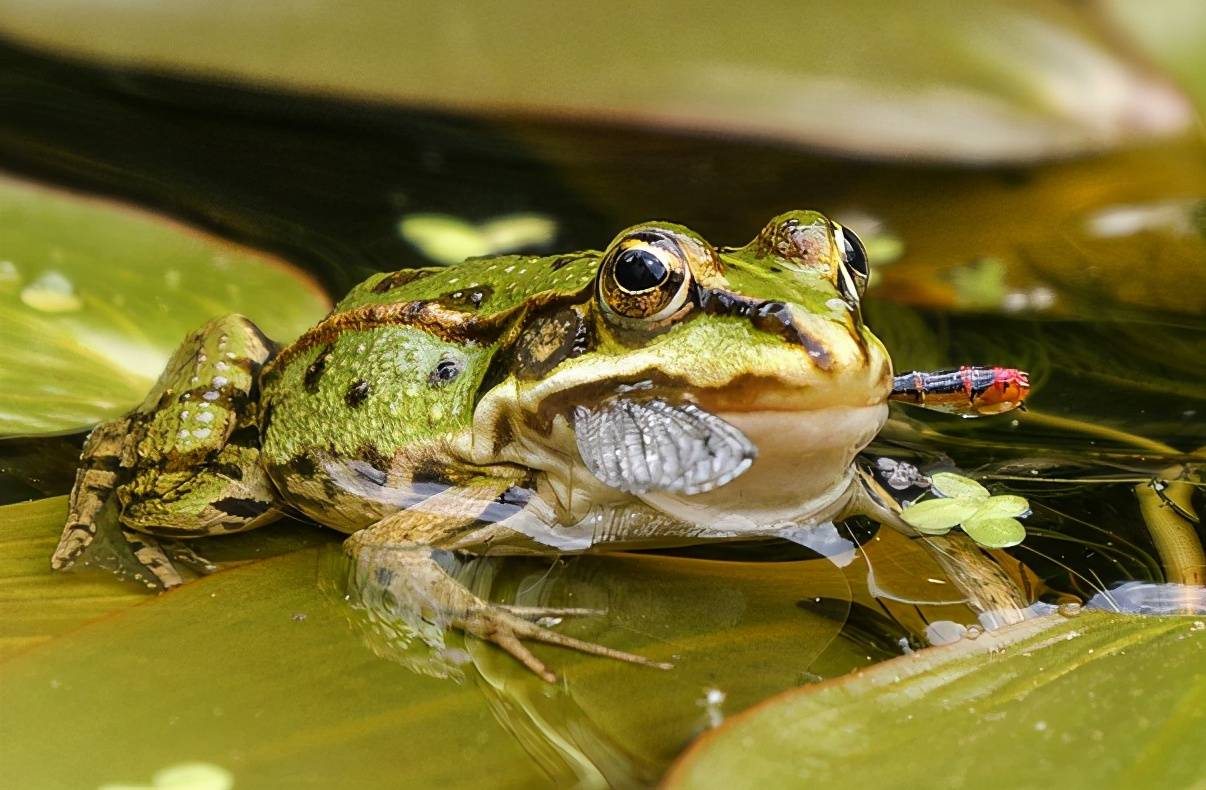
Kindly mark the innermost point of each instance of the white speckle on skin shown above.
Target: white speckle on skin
(221, 381)
(221, 365)
(207, 416)
(211, 395)
(201, 433)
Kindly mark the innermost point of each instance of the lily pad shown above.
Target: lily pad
(95, 296)
(36, 605)
(265, 648)
(1098, 700)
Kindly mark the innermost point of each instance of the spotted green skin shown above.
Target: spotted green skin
(360, 393)
(465, 378)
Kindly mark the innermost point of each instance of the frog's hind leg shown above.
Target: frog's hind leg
(184, 464)
(398, 572)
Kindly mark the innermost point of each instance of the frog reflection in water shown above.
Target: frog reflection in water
(660, 392)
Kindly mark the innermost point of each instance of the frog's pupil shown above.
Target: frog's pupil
(639, 270)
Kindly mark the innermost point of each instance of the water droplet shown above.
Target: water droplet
(973, 632)
(201, 433)
(52, 292)
(205, 416)
(211, 395)
(1069, 609)
(221, 381)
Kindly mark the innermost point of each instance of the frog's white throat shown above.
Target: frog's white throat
(803, 472)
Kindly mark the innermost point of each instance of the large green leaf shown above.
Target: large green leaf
(253, 670)
(973, 81)
(94, 297)
(36, 605)
(256, 670)
(1098, 700)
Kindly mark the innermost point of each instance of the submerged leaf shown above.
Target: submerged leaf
(95, 296)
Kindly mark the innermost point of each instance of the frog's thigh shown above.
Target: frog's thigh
(197, 469)
(185, 463)
(230, 494)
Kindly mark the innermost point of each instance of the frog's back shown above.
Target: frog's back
(359, 412)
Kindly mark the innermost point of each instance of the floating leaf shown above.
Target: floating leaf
(95, 296)
(447, 239)
(950, 484)
(1097, 700)
(938, 516)
(994, 532)
(261, 648)
(1003, 506)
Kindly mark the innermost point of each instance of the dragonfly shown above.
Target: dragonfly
(969, 391)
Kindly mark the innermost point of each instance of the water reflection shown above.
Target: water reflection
(735, 632)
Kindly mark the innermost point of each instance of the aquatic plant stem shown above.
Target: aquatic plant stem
(1174, 536)
(989, 590)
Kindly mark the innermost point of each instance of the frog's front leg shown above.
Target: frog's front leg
(183, 464)
(397, 573)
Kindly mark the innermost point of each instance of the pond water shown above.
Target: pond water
(1089, 274)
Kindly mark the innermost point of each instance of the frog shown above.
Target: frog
(661, 391)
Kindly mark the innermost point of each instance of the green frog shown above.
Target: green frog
(663, 391)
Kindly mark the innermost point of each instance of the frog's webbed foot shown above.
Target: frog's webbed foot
(407, 586)
(498, 624)
(159, 564)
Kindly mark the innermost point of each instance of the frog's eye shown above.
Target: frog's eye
(645, 280)
(854, 256)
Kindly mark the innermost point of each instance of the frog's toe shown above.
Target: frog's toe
(507, 630)
(536, 613)
(181, 553)
(154, 560)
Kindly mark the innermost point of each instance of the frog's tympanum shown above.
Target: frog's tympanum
(663, 391)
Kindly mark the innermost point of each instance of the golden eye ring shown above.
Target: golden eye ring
(644, 279)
